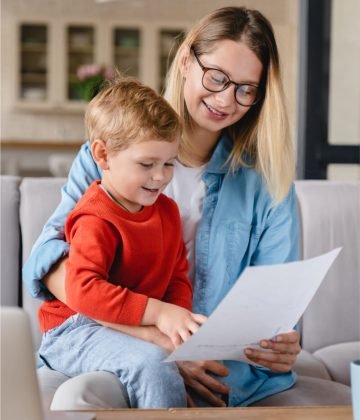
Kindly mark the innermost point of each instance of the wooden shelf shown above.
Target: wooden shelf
(74, 107)
(33, 77)
(46, 144)
(33, 48)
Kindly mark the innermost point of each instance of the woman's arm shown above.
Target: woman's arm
(55, 280)
(51, 246)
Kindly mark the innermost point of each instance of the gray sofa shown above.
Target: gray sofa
(330, 217)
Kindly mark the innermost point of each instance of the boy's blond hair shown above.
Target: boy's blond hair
(125, 111)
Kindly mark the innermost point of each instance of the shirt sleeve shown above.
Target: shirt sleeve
(280, 240)
(51, 245)
(94, 245)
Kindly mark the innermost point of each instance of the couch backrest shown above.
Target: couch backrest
(10, 254)
(39, 198)
(330, 217)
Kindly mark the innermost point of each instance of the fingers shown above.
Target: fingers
(215, 385)
(199, 318)
(290, 337)
(282, 357)
(198, 371)
(190, 328)
(189, 400)
(208, 396)
(176, 340)
(206, 390)
(277, 362)
(216, 368)
(281, 347)
(284, 343)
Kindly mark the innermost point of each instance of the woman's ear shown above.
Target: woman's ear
(184, 60)
(99, 153)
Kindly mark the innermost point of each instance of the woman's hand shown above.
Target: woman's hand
(196, 377)
(285, 348)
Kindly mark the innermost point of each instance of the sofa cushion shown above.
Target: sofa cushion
(39, 198)
(309, 365)
(310, 391)
(337, 359)
(330, 218)
(10, 264)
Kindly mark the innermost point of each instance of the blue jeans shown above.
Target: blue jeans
(82, 345)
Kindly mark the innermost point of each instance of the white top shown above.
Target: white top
(188, 190)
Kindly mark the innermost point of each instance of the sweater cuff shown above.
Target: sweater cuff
(133, 311)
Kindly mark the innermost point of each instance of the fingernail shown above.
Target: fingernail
(264, 344)
(279, 338)
(248, 352)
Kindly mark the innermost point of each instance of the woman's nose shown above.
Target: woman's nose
(225, 97)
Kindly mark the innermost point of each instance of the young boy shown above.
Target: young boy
(127, 261)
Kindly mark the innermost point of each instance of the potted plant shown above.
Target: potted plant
(91, 77)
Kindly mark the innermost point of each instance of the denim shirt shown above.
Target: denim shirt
(240, 226)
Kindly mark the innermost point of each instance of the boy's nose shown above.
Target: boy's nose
(158, 175)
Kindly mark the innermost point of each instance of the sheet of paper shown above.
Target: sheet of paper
(265, 301)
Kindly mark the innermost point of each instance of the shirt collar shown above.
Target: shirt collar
(218, 163)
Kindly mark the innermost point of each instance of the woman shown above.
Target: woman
(233, 185)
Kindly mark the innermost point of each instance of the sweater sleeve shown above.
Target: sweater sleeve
(179, 291)
(94, 244)
(51, 244)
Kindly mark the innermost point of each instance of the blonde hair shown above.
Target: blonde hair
(124, 111)
(261, 138)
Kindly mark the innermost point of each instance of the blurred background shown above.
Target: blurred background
(53, 52)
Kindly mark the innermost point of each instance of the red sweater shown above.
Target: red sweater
(117, 260)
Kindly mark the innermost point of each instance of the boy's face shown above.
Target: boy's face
(137, 175)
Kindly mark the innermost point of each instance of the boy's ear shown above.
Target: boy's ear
(185, 60)
(99, 153)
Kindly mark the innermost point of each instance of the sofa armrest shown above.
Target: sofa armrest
(337, 359)
(309, 365)
(10, 264)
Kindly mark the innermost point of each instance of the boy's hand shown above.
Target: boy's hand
(174, 321)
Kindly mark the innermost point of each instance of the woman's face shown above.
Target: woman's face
(214, 111)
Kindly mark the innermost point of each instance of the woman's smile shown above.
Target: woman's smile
(214, 113)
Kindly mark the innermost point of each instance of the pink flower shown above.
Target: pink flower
(87, 71)
(108, 73)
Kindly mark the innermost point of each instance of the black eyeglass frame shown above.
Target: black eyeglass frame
(228, 83)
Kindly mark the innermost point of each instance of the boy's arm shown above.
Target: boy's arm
(50, 247)
(149, 333)
(179, 291)
(94, 246)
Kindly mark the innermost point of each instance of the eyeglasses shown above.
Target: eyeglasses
(214, 80)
